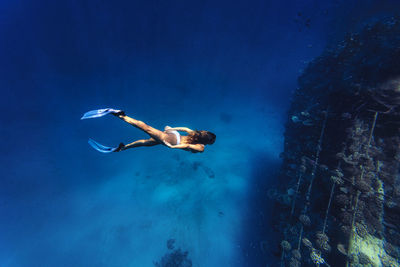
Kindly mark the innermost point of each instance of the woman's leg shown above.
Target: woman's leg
(153, 132)
(138, 143)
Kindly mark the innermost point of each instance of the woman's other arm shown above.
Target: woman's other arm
(196, 147)
(182, 129)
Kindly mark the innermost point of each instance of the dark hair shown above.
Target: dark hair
(201, 137)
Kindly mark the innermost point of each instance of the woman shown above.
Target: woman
(193, 142)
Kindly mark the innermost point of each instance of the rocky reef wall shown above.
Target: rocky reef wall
(340, 202)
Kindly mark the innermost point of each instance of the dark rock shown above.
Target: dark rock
(342, 200)
(176, 258)
(170, 243)
(355, 84)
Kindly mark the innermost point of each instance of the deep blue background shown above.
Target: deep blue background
(226, 66)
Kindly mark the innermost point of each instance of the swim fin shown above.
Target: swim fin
(99, 113)
(100, 147)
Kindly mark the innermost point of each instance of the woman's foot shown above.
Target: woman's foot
(120, 147)
(119, 113)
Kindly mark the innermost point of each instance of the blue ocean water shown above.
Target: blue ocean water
(229, 67)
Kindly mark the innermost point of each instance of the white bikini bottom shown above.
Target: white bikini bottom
(178, 137)
(175, 137)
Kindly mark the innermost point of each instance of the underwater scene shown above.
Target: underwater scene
(200, 133)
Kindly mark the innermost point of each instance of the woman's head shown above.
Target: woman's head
(202, 137)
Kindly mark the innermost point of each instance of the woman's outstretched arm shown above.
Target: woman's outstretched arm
(183, 129)
(196, 147)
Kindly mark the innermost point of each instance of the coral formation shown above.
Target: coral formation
(305, 220)
(296, 254)
(286, 245)
(174, 258)
(345, 114)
